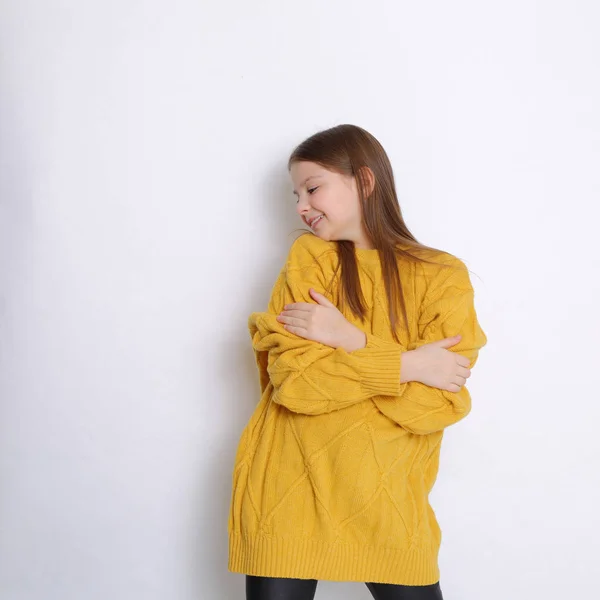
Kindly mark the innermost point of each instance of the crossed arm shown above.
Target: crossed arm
(311, 378)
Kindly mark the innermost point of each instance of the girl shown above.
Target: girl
(362, 354)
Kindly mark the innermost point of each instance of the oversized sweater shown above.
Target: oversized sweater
(333, 470)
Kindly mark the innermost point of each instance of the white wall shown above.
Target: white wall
(145, 211)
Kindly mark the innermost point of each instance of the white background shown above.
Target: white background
(145, 210)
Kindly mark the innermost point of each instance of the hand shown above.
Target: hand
(438, 367)
(322, 322)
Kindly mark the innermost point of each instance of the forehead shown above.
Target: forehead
(304, 169)
(300, 172)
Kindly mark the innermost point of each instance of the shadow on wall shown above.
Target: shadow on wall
(279, 223)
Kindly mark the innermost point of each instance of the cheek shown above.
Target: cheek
(331, 203)
(340, 209)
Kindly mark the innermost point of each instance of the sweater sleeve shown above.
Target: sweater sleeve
(448, 310)
(309, 377)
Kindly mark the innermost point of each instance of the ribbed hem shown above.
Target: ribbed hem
(271, 556)
(380, 370)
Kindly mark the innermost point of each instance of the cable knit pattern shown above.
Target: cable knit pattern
(333, 470)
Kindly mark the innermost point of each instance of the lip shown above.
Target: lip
(311, 221)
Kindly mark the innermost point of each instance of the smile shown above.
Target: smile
(315, 221)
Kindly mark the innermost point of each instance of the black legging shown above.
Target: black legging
(283, 588)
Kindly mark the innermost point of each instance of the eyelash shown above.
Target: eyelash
(311, 191)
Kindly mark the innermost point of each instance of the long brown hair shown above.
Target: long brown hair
(346, 149)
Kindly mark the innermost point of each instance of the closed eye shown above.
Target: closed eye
(311, 191)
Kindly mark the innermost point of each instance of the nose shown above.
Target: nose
(302, 206)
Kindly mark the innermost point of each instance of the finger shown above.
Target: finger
(463, 361)
(463, 371)
(459, 380)
(295, 313)
(446, 342)
(298, 306)
(456, 387)
(295, 321)
(297, 330)
(321, 299)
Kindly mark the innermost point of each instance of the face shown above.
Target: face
(323, 192)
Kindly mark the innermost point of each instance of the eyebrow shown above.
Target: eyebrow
(310, 177)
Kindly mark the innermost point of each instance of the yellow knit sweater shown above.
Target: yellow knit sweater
(333, 470)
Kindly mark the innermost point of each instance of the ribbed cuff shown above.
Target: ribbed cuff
(380, 366)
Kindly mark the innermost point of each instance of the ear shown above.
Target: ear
(367, 180)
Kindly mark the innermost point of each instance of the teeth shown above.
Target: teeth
(312, 223)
